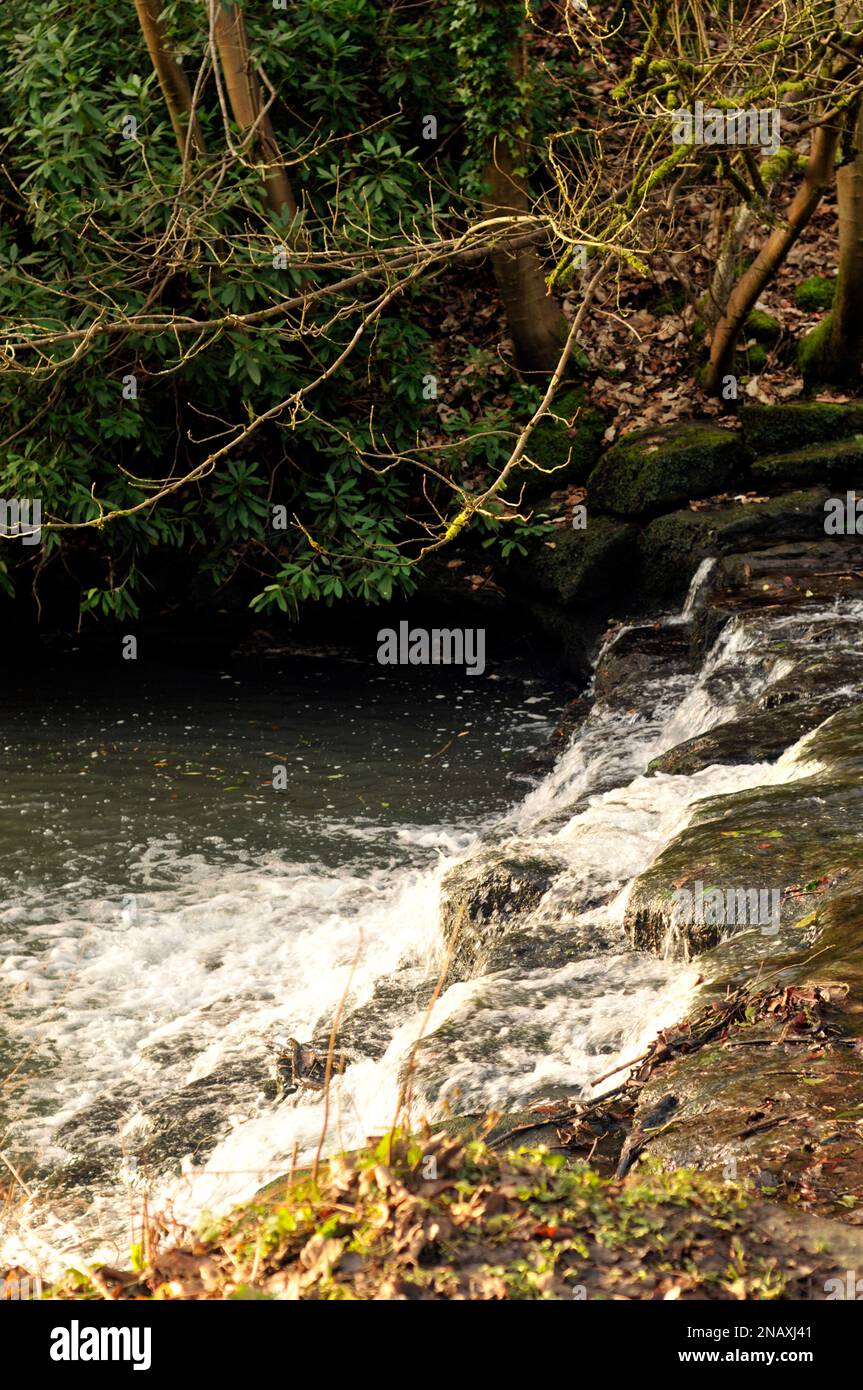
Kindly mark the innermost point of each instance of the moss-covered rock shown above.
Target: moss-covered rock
(578, 569)
(652, 471)
(766, 1111)
(837, 465)
(774, 429)
(763, 327)
(816, 294)
(564, 447)
(787, 844)
(751, 360)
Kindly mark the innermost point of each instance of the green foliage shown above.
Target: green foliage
(90, 218)
(504, 99)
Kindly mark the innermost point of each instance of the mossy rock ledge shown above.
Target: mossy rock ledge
(837, 463)
(654, 471)
(671, 547)
(779, 429)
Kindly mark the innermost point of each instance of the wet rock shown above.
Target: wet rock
(782, 576)
(522, 1015)
(482, 899)
(814, 679)
(571, 718)
(653, 471)
(766, 1112)
(672, 547)
(91, 1138)
(366, 1029)
(638, 655)
(794, 841)
(775, 1100)
(192, 1119)
(760, 738)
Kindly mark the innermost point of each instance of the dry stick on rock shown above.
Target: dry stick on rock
(406, 1092)
(328, 1070)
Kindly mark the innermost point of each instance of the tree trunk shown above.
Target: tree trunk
(244, 94)
(818, 175)
(533, 314)
(172, 80)
(835, 351)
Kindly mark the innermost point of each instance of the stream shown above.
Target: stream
(169, 919)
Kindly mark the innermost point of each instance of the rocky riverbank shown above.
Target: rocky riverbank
(775, 1099)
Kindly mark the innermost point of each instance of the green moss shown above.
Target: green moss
(837, 464)
(763, 327)
(753, 360)
(671, 302)
(652, 471)
(775, 429)
(578, 565)
(816, 294)
(813, 352)
(520, 1225)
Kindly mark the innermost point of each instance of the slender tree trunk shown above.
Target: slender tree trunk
(836, 350)
(841, 351)
(244, 94)
(817, 177)
(172, 80)
(534, 316)
(725, 271)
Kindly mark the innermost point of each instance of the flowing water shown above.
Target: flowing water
(167, 916)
